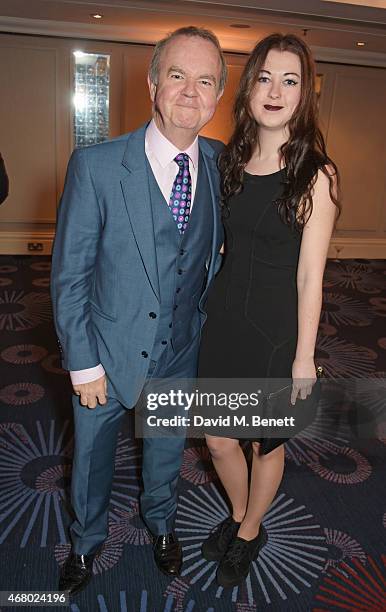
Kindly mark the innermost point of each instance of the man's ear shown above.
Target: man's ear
(152, 88)
(219, 95)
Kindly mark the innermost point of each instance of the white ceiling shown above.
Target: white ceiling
(330, 24)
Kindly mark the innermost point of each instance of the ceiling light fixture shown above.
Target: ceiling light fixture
(241, 26)
(97, 16)
(360, 43)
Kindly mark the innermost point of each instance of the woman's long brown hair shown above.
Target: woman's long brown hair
(302, 155)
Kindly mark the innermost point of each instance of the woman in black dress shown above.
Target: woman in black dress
(280, 200)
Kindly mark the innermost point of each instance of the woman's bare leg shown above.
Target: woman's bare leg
(266, 475)
(231, 466)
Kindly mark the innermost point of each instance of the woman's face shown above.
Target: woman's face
(277, 91)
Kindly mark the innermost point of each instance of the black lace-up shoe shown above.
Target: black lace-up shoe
(216, 545)
(168, 554)
(234, 567)
(76, 573)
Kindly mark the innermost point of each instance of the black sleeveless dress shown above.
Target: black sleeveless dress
(251, 330)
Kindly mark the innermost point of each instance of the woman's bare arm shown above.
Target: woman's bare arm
(313, 253)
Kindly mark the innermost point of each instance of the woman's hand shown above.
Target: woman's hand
(303, 378)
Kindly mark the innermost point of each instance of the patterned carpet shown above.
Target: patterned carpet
(325, 527)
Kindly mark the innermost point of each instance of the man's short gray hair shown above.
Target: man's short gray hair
(192, 31)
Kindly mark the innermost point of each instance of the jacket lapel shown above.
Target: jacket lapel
(210, 162)
(135, 188)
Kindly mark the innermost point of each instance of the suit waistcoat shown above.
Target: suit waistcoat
(181, 262)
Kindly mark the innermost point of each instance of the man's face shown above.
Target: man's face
(187, 92)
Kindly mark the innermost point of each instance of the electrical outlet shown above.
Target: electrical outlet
(35, 246)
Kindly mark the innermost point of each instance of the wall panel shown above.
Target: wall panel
(221, 125)
(136, 104)
(36, 134)
(357, 142)
(28, 132)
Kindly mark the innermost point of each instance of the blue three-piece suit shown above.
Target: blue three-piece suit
(128, 291)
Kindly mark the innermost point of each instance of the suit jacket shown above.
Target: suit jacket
(104, 237)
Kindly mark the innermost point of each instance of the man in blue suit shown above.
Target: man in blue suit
(136, 248)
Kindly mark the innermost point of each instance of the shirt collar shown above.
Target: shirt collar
(164, 150)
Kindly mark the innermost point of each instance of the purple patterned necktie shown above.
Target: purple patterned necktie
(181, 195)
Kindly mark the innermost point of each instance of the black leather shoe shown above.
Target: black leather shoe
(216, 545)
(168, 554)
(234, 566)
(76, 573)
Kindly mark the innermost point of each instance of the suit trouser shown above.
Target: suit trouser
(96, 435)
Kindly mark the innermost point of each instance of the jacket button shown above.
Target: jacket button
(164, 342)
(182, 252)
(170, 324)
(178, 289)
(175, 307)
(152, 315)
(144, 354)
(179, 271)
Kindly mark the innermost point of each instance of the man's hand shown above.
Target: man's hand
(92, 393)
